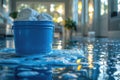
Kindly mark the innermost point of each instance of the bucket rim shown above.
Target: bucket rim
(33, 23)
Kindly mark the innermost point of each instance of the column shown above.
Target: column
(86, 11)
(84, 20)
(83, 12)
(75, 11)
(83, 17)
(68, 13)
(96, 19)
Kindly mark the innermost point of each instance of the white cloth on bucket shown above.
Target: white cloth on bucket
(44, 17)
(29, 14)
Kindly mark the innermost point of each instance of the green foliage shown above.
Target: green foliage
(13, 14)
(70, 24)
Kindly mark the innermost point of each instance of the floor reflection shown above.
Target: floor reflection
(101, 62)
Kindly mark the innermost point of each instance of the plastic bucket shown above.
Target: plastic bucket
(33, 37)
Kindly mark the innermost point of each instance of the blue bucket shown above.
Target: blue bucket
(33, 37)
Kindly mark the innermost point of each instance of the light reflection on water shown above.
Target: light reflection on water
(101, 62)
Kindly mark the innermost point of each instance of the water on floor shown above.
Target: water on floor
(85, 59)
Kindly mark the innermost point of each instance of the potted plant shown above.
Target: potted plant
(71, 26)
(14, 14)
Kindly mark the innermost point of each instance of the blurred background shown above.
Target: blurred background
(101, 17)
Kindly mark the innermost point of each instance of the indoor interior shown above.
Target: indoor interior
(89, 49)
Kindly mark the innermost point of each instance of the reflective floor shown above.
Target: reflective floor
(86, 59)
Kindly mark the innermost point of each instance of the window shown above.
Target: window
(104, 7)
(118, 5)
(79, 11)
(90, 11)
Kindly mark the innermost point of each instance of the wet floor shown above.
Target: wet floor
(86, 59)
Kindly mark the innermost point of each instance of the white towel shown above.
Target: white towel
(44, 17)
(27, 19)
(29, 14)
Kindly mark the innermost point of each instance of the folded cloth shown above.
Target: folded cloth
(44, 17)
(26, 19)
(27, 14)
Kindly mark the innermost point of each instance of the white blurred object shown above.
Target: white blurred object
(44, 17)
(91, 36)
(29, 14)
(5, 24)
(26, 19)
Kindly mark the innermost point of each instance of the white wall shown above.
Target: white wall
(114, 34)
(104, 26)
(113, 23)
